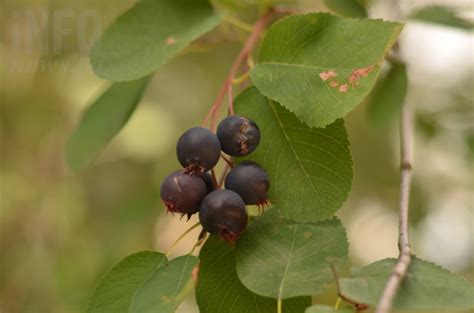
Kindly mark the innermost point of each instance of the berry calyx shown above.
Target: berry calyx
(250, 181)
(182, 193)
(239, 136)
(223, 213)
(198, 150)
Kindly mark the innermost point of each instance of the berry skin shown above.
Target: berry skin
(207, 178)
(239, 136)
(198, 150)
(223, 213)
(250, 181)
(182, 193)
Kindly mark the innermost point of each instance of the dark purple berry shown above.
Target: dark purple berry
(223, 213)
(207, 178)
(250, 181)
(182, 193)
(238, 135)
(198, 150)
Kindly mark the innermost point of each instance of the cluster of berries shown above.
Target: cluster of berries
(191, 190)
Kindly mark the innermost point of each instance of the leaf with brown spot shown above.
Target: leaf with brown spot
(302, 57)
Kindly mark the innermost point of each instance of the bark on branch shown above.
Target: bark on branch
(401, 266)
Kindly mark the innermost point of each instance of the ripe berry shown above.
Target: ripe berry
(207, 178)
(182, 193)
(250, 181)
(198, 150)
(223, 213)
(238, 135)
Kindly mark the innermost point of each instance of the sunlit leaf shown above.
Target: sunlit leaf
(220, 291)
(115, 291)
(281, 259)
(102, 121)
(148, 35)
(320, 66)
(310, 169)
(426, 287)
(166, 288)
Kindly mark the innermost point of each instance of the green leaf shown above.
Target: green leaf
(388, 96)
(115, 290)
(281, 259)
(441, 15)
(148, 35)
(310, 169)
(427, 287)
(320, 66)
(102, 121)
(319, 308)
(348, 8)
(166, 288)
(219, 289)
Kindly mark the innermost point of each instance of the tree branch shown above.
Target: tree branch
(401, 266)
(257, 30)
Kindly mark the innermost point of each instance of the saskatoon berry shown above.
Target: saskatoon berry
(182, 193)
(223, 213)
(207, 178)
(238, 135)
(198, 150)
(250, 181)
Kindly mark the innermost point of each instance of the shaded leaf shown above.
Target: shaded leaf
(166, 288)
(426, 287)
(319, 308)
(282, 259)
(219, 289)
(320, 66)
(388, 96)
(442, 15)
(148, 35)
(115, 290)
(102, 121)
(310, 169)
(349, 8)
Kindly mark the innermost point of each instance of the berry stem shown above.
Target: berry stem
(214, 178)
(170, 250)
(224, 173)
(228, 161)
(249, 44)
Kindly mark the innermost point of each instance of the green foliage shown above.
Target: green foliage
(219, 289)
(442, 15)
(349, 8)
(318, 308)
(388, 95)
(310, 169)
(148, 35)
(426, 287)
(116, 289)
(102, 121)
(281, 259)
(320, 66)
(166, 287)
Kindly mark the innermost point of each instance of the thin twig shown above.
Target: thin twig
(180, 238)
(249, 44)
(401, 266)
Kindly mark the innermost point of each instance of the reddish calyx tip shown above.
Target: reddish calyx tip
(194, 169)
(262, 205)
(226, 234)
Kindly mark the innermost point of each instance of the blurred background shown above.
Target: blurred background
(59, 231)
